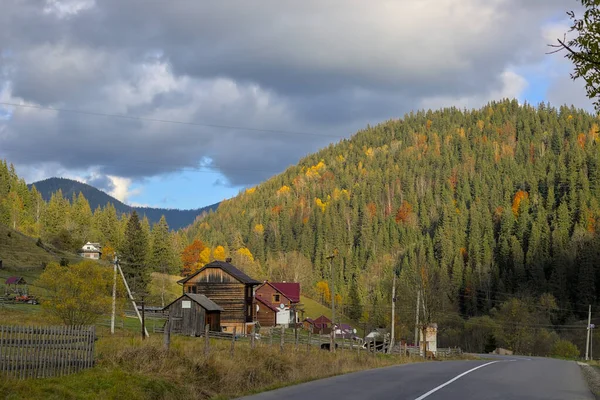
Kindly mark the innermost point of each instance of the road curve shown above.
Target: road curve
(503, 378)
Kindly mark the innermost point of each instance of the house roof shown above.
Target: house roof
(322, 320)
(309, 320)
(266, 304)
(291, 290)
(227, 267)
(15, 280)
(200, 299)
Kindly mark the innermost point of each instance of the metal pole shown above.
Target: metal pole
(587, 342)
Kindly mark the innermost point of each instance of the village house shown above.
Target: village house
(189, 314)
(321, 325)
(229, 288)
(277, 303)
(91, 250)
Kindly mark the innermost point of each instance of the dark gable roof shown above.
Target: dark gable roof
(227, 267)
(200, 299)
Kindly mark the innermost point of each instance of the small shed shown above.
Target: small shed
(16, 285)
(190, 313)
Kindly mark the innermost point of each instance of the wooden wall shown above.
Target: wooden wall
(191, 321)
(265, 316)
(266, 292)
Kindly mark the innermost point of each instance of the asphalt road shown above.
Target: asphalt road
(503, 378)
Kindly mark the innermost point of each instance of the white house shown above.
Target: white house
(91, 250)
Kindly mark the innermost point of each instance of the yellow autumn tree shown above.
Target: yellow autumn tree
(79, 294)
(245, 252)
(323, 291)
(219, 253)
(259, 229)
(283, 190)
(204, 257)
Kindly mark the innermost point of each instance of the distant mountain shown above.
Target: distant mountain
(177, 219)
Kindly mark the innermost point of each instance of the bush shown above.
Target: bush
(565, 349)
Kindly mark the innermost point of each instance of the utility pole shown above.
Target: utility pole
(587, 342)
(393, 314)
(332, 344)
(114, 297)
(131, 296)
(417, 318)
(143, 319)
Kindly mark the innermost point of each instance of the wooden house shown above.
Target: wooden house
(16, 285)
(228, 287)
(91, 250)
(284, 296)
(266, 313)
(190, 313)
(321, 325)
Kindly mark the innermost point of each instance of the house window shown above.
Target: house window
(249, 310)
(194, 289)
(275, 298)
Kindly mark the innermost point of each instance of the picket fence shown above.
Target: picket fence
(49, 351)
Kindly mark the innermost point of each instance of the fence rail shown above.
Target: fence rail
(40, 352)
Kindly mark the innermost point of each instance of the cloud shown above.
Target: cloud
(326, 69)
(121, 188)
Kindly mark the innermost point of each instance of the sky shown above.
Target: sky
(182, 104)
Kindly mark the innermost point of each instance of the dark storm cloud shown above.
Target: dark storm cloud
(326, 68)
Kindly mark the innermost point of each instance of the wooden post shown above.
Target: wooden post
(206, 339)
(308, 342)
(252, 338)
(232, 342)
(167, 337)
(271, 336)
(282, 341)
(143, 320)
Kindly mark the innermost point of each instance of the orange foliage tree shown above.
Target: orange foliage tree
(191, 257)
(404, 212)
(519, 197)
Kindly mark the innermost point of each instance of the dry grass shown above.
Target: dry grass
(145, 370)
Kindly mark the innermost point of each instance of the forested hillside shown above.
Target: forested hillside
(468, 207)
(97, 198)
(65, 225)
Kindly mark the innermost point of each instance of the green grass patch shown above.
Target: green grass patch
(20, 252)
(95, 383)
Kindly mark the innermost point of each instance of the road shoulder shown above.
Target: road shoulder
(592, 377)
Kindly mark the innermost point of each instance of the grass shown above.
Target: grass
(128, 367)
(20, 252)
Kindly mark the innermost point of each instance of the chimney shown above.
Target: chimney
(228, 259)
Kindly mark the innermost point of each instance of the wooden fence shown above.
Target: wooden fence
(40, 352)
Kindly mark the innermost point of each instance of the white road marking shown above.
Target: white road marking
(452, 380)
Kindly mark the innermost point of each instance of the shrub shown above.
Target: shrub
(565, 349)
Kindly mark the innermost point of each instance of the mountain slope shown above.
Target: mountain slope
(473, 206)
(97, 198)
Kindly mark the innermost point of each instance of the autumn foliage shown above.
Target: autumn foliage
(191, 257)
(519, 197)
(404, 212)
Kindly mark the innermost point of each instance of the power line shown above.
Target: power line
(138, 118)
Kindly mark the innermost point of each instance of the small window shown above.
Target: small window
(275, 298)
(194, 289)
(249, 310)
